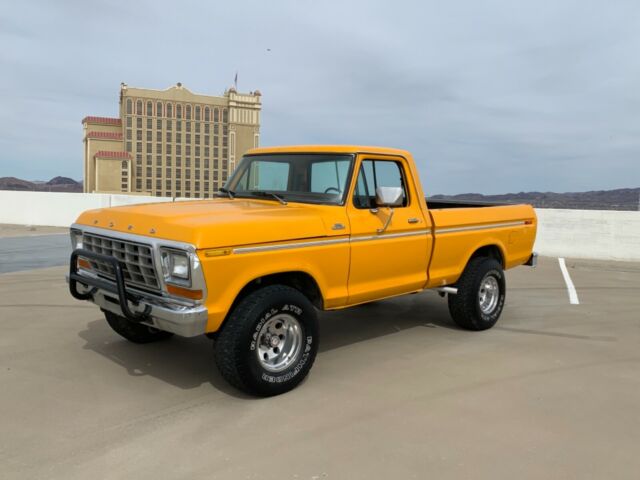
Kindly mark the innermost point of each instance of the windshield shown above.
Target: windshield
(307, 178)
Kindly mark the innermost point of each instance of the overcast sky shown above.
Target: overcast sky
(490, 96)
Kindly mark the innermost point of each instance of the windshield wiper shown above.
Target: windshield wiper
(230, 193)
(263, 193)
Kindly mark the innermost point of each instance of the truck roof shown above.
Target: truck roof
(329, 149)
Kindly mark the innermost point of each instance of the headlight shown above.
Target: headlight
(76, 239)
(175, 267)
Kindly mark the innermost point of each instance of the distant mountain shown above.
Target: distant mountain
(56, 184)
(62, 181)
(620, 199)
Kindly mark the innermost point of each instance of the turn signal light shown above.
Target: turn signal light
(84, 263)
(184, 292)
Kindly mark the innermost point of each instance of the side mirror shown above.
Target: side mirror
(389, 196)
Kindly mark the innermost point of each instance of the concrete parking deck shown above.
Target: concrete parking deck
(553, 391)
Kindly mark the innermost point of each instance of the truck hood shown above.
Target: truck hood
(213, 223)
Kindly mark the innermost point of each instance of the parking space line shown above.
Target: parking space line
(573, 295)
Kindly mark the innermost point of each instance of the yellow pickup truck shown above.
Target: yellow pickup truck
(295, 230)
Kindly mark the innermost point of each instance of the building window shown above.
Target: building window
(169, 124)
(215, 141)
(178, 124)
(216, 115)
(197, 112)
(148, 184)
(188, 126)
(206, 129)
(188, 140)
(139, 122)
(148, 159)
(158, 109)
(206, 173)
(167, 173)
(168, 137)
(169, 148)
(129, 122)
(149, 135)
(159, 124)
(206, 153)
(129, 106)
(128, 146)
(216, 129)
(225, 116)
(158, 184)
(197, 127)
(167, 185)
(178, 149)
(187, 150)
(168, 161)
(158, 148)
(149, 124)
(187, 162)
(169, 110)
(149, 171)
(197, 163)
(178, 174)
(197, 139)
(178, 111)
(158, 136)
(138, 184)
(159, 160)
(178, 162)
(188, 112)
(178, 137)
(149, 109)
(207, 114)
(129, 134)
(197, 150)
(138, 159)
(148, 147)
(139, 107)
(139, 146)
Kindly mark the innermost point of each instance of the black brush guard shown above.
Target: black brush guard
(119, 289)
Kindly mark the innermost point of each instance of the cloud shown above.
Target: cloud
(490, 96)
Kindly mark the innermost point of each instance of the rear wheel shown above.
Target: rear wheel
(269, 342)
(135, 332)
(481, 294)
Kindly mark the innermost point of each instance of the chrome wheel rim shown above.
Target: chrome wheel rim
(279, 342)
(489, 294)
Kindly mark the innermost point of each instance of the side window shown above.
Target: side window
(374, 174)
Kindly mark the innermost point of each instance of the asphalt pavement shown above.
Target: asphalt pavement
(397, 391)
(19, 253)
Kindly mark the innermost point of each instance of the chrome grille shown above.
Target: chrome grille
(136, 259)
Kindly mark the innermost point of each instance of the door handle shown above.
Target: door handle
(413, 220)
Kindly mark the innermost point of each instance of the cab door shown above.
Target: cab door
(392, 260)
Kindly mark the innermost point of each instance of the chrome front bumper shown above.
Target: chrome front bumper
(181, 320)
(187, 320)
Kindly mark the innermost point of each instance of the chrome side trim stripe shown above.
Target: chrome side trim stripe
(329, 241)
(287, 246)
(480, 227)
(413, 233)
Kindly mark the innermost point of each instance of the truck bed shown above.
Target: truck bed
(436, 204)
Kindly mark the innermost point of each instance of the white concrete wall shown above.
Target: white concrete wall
(59, 209)
(598, 234)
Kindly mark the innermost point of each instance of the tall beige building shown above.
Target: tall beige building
(171, 142)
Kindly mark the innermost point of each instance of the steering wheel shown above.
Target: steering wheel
(332, 188)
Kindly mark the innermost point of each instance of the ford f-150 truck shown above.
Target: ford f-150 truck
(294, 230)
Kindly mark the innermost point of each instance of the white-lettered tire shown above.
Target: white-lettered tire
(135, 332)
(269, 342)
(481, 295)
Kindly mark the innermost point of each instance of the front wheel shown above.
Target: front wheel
(269, 342)
(481, 294)
(135, 332)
